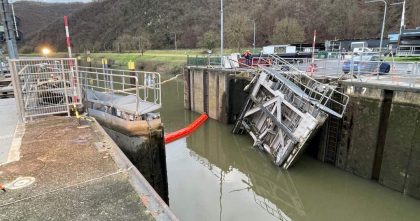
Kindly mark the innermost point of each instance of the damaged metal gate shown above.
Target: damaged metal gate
(285, 108)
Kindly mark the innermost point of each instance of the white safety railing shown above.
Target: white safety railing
(408, 51)
(323, 96)
(133, 92)
(45, 86)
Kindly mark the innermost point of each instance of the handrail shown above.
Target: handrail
(113, 81)
(315, 92)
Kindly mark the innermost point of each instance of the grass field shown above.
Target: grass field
(403, 59)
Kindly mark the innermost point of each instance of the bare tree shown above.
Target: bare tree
(238, 30)
(288, 31)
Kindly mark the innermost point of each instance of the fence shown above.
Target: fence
(132, 92)
(209, 60)
(45, 86)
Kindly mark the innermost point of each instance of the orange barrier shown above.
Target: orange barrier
(187, 130)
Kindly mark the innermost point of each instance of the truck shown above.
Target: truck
(360, 47)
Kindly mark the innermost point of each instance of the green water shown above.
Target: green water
(215, 175)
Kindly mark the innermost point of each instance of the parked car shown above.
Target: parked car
(366, 64)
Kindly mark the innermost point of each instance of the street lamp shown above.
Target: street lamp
(254, 36)
(46, 51)
(402, 15)
(383, 24)
(253, 44)
(382, 31)
(221, 33)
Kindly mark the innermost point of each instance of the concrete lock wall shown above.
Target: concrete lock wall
(356, 152)
(400, 168)
(207, 90)
(147, 153)
(381, 137)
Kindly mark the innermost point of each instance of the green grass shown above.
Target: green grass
(402, 59)
(153, 60)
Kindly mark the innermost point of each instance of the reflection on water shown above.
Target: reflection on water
(215, 175)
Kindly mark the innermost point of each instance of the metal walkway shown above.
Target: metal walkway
(126, 94)
(285, 108)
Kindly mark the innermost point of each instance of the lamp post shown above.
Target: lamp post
(254, 37)
(383, 24)
(402, 15)
(221, 33)
(8, 24)
(382, 31)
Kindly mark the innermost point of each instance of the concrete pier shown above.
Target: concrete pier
(218, 92)
(75, 172)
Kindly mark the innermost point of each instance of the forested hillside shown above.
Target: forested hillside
(140, 24)
(35, 16)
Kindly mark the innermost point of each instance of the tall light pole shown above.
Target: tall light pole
(221, 33)
(254, 36)
(402, 15)
(8, 24)
(383, 25)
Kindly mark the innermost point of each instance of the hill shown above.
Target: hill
(138, 24)
(35, 16)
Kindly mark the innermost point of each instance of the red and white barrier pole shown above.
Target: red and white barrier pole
(74, 79)
(66, 26)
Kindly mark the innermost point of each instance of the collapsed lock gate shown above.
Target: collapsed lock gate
(285, 108)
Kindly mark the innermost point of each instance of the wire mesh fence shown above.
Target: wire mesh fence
(45, 86)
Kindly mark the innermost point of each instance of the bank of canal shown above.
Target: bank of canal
(215, 175)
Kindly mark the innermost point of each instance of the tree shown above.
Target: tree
(209, 40)
(143, 42)
(287, 31)
(238, 28)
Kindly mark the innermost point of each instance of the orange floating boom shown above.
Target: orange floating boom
(187, 130)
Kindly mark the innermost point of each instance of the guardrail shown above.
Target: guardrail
(128, 91)
(323, 96)
(209, 60)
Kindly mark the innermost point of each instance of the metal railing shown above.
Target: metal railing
(133, 92)
(203, 60)
(408, 51)
(45, 86)
(321, 95)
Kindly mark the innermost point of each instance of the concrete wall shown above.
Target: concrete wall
(148, 155)
(381, 137)
(400, 169)
(207, 90)
(356, 152)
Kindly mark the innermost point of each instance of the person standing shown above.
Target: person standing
(247, 55)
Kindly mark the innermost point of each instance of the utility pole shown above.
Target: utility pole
(14, 21)
(6, 17)
(221, 33)
(176, 46)
(402, 27)
(254, 36)
(383, 28)
(402, 19)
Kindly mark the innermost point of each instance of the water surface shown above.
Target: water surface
(215, 175)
